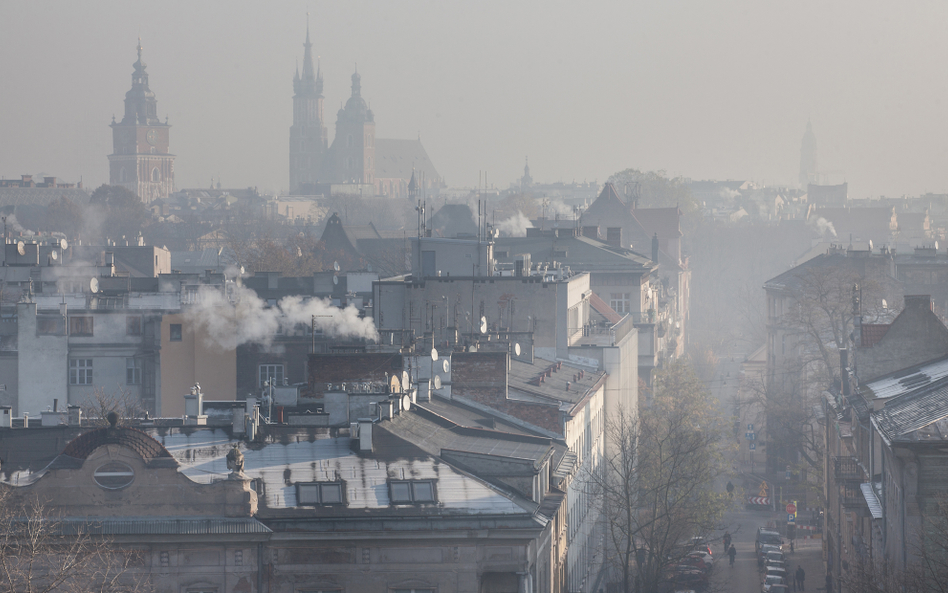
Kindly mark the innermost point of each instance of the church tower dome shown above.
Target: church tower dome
(140, 159)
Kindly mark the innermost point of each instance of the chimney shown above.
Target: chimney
(844, 371)
(614, 236)
(239, 421)
(74, 415)
(918, 301)
(365, 434)
(655, 248)
(591, 232)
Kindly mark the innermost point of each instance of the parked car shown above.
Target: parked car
(769, 537)
(697, 562)
(708, 558)
(764, 549)
(779, 589)
(771, 580)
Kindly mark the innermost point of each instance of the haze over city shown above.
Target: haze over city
(701, 90)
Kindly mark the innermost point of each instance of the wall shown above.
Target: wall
(190, 361)
(42, 362)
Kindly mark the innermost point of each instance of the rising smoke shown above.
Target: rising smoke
(823, 226)
(244, 318)
(515, 226)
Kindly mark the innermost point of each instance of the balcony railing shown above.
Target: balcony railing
(848, 469)
(851, 496)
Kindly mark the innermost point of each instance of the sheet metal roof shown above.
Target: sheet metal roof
(280, 465)
(921, 415)
(875, 507)
(523, 375)
(156, 526)
(909, 379)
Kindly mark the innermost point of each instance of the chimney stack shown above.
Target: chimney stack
(655, 248)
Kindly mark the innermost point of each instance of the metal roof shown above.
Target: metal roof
(875, 507)
(908, 379)
(157, 526)
(309, 458)
(919, 415)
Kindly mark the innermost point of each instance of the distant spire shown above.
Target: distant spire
(356, 83)
(308, 82)
(139, 48)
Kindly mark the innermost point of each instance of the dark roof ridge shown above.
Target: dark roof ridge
(137, 440)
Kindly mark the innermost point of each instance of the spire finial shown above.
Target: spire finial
(307, 26)
(139, 47)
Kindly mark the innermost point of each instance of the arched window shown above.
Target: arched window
(155, 175)
(123, 176)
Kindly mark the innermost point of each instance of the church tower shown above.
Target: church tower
(808, 168)
(308, 137)
(352, 156)
(140, 161)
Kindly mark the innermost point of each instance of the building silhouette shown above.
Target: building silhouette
(354, 162)
(140, 161)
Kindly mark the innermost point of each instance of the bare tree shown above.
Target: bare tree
(42, 553)
(655, 483)
(121, 401)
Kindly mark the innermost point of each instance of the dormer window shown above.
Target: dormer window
(320, 493)
(411, 491)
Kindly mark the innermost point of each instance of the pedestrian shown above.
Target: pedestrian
(727, 541)
(801, 574)
(732, 552)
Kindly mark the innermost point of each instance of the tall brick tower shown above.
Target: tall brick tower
(140, 160)
(308, 136)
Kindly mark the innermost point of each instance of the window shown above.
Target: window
(175, 332)
(271, 371)
(133, 325)
(155, 175)
(123, 175)
(49, 325)
(133, 371)
(406, 492)
(80, 371)
(80, 326)
(320, 493)
(621, 302)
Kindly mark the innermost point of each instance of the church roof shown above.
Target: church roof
(399, 159)
(83, 446)
(40, 196)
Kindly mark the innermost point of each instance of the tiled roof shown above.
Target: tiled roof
(872, 333)
(918, 415)
(397, 159)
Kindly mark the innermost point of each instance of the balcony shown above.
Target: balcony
(851, 498)
(847, 469)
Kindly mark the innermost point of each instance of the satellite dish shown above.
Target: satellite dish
(94, 285)
(434, 354)
(517, 349)
(483, 325)
(63, 244)
(20, 248)
(406, 403)
(53, 255)
(335, 279)
(335, 266)
(444, 365)
(437, 382)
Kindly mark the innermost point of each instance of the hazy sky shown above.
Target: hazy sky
(704, 89)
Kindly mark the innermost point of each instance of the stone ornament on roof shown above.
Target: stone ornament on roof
(235, 463)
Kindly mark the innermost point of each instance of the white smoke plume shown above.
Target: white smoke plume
(16, 227)
(515, 226)
(822, 226)
(726, 192)
(245, 318)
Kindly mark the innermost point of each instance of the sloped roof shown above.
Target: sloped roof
(603, 308)
(140, 442)
(664, 221)
(872, 333)
(40, 196)
(918, 415)
(453, 219)
(397, 159)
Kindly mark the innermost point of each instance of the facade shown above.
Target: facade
(140, 159)
(885, 443)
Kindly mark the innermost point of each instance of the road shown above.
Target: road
(744, 576)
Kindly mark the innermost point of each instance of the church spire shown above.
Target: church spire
(310, 82)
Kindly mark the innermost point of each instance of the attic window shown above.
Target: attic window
(114, 475)
(411, 491)
(319, 493)
(500, 253)
(559, 253)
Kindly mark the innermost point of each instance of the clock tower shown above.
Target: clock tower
(140, 160)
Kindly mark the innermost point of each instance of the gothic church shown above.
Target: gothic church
(355, 157)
